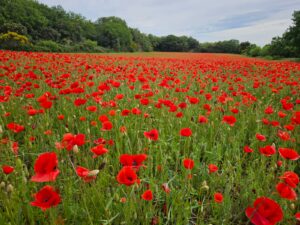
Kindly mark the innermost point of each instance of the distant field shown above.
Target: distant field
(148, 138)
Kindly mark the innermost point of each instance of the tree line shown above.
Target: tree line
(31, 26)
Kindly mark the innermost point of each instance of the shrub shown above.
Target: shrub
(13, 41)
(48, 46)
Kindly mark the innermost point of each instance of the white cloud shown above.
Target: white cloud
(205, 20)
(261, 33)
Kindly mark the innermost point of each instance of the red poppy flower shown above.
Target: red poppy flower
(60, 117)
(285, 191)
(15, 147)
(186, 132)
(297, 216)
(147, 195)
(288, 153)
(144, 101)
(218, 197)
(32, 112)
(182, 105)
(193, 100)
(207, 107)
(296, 118)
(264, 211)
(98, 150)
(91, 108)
(247, 149)
(134, 161)
(188, 164)
(260, 137)
(229, 120)
(7, 169)
(268, 150)
(283, 135)
(289, 127)
(179, 114)
(166, 188)
(46, 104)
(15, 127)
(234, 110)
(127, 176)
(45, 168)
(282, 114)
(106, 125)
(152, 134)
(202, 119)
(279, 163)
(70, 140)
(125, 112)
(103, 118)
(290, 178)
(212, 168)
(269, 110)
(46, 198)
(86, 174)
(79, 101)
(136, 111)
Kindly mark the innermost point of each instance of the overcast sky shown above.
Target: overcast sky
(206, 20)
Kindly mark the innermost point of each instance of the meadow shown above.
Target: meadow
(148, 138)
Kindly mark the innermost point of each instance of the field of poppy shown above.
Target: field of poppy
(150, 138)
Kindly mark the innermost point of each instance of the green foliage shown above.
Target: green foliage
(172, 43)
(192, 44)
(113, 32)
(279, 47)
(265, 51)
(13, 41)
(292, 36)
(87, 46)
(254, 51)
(141, 41)
(154, 40)
(13, 27)
(244, 46)
(228, 46)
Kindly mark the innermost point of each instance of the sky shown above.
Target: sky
(256, 21)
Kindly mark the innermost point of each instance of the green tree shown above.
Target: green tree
(155, 41)
(13, 27)
(244, 46)
(142, 42)
(172, 43)
(292, 36)
(113, 32)
(193, 44)
(279, 48)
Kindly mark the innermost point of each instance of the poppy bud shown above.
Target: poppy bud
(1, 130)
(93, 173)
(24, 179)
(204, 186)
(2, 184)
(19, 163)
(292, 206)
(75, 149)
(123, 200)
(279, 163)
(9, 188)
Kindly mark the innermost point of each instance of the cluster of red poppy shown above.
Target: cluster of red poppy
(97, 109)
